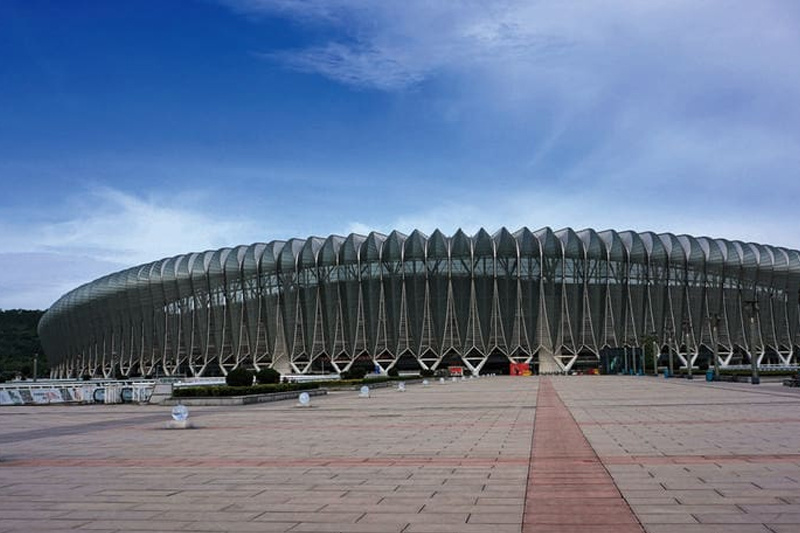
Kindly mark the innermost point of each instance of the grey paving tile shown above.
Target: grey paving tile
(729, 461)
(460, 452)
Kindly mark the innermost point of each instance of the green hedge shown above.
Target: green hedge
(224, 390)
(760, 372)
(741, 372)
(268, 376)
(239, 377)
(351, 382)
(366, 381)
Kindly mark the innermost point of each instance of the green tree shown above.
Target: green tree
(19, 343)
(239, 377)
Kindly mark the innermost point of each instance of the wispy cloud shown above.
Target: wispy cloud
(534, 210)
(669, 115)
(550, 41)
(685, 113)
(117, 226)
(394, 45)
(357, 65)
(104, 230)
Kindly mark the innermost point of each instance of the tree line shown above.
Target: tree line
(19, 344)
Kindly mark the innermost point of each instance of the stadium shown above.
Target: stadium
(558, 300)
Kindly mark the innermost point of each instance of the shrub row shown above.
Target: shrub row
(225, 390)
(365, 381)
(740, 372)
(760, 372)
(243, 377)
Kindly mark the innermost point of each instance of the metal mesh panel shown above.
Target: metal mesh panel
(167, 286)
(552, 285)
(234, 300)
(696, 284)
(252, 301)
(507, 276)
(350, 294)
(289, 300)
(461, 283)
(779, 299)
(530, 272)
(483, 288)
(597, 275)
(392, 277)
(414, 281)
(308, 291)
(372, 290)
(734, 285)
(793, 297)
(330, 278)
(438, 287)
(219, 334)
(573, 307)
(339, 298)
(272, 288)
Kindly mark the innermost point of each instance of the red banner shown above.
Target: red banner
(519, 369)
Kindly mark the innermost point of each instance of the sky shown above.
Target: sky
(136, 130)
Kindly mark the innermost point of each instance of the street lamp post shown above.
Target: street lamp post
(686, 326)
(715, 344)
(669, 350)
(751, 306)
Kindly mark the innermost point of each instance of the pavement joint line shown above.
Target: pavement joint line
(260, 463)
(777, 393)
(693, 422)
(699, 459)
(679, 477)
(530, 458)
(78, 429)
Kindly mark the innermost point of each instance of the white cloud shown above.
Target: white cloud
(547, 41)
(673, 93)
(116, 226)
(591, 209)
(665, 115)
(103, 231)
(358, 227)
(36, 280)
(353, 65)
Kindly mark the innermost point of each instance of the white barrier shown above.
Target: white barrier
(308, 378)
(763, 367)
(48, 393)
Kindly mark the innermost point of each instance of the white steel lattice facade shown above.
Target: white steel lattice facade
(545, 296)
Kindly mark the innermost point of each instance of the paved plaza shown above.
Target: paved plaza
(586, 454)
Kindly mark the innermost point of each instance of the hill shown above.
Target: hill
(19, 343)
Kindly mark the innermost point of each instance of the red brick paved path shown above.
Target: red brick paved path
(569, 489)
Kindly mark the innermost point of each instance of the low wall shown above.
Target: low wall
(243, 400)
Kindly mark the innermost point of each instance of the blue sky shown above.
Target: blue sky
(131, 131)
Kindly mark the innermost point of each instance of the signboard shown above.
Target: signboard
(5, 398)
(11, 397)
(44, 396)
(519, 369)
(456, 370)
